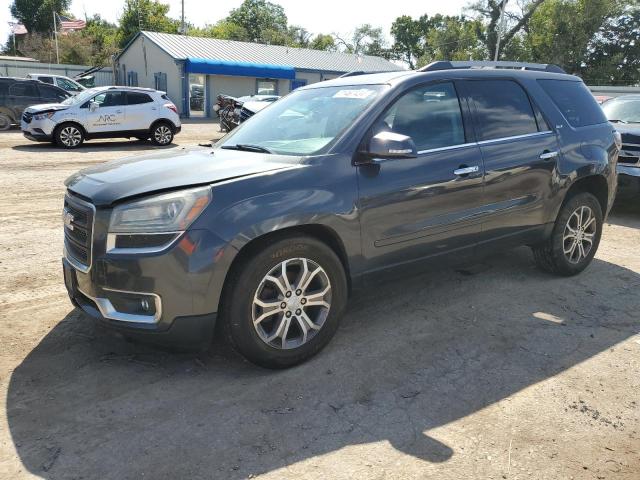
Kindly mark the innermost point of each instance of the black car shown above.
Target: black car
(624, 113)
(16, 94)
(334, 186)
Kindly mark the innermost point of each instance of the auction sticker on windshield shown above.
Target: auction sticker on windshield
(351, 93)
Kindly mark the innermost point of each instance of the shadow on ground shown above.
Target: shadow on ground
(93, 146)
(410, 356)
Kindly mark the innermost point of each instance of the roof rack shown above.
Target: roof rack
(447, 65)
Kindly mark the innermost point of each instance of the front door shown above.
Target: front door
(425, 206)
(520, 154)
(110, 114)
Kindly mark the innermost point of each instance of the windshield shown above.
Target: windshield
(625, 109)
(304, 122)
(81, 97)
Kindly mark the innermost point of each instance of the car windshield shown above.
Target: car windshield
(304, 122)
(623, 109)
(81, 97)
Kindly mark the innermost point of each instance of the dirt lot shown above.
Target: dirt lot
(488, 371)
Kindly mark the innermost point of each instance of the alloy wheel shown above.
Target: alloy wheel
(579, 233)
(291, 303)
(162, 135)
(70, 136)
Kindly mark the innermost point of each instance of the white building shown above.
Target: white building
(194, 70)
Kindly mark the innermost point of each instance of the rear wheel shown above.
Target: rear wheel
(69, 135)
(162, 134)
(5, 122)
(575, 237)
(284, 303)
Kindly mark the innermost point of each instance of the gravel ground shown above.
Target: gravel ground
(492, 370)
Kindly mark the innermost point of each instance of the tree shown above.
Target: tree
(145, 15)
(223, 29)
(452, 38)
(614, 52)
(489, 11)
(323, 42)
(408, 35)
(104, 37)
(37, 15)
(365, 40)
(263, 21)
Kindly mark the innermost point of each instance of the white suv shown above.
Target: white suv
(104, 112)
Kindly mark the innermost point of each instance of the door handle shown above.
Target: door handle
(465, 170)
(547, 155)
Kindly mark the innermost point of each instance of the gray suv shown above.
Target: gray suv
(336, 185)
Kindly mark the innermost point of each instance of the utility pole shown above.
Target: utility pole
(500, 28)
(182, 30)
(55, 33)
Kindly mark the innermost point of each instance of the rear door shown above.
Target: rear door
(419, 207)
(520, 154)
(110, 114)
(141, 111)
(22, 95)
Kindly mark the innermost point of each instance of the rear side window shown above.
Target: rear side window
(45, 80)
(135, 98)
(23, 89)
(575, 101)
(502, 109)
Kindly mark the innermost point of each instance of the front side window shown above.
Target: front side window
(502, 109)
(23, 89)
(430, 115)
(67, 85)
(109, 99)
(305, 121)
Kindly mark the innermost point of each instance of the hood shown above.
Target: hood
(630, 132)
(110, 182)
(46, 107)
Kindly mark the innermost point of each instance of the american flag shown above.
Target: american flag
(18, 28)
(69, 24)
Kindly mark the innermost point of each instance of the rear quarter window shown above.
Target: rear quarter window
(575, 102)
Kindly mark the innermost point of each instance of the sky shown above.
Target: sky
(329, 16)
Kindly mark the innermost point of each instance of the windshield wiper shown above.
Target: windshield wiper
(617, 120)
(247, 148)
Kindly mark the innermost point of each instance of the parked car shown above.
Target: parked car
(252, 104)
(624, 113)
(16, 94)
(60, 81)
(335, 185)
(104, 112)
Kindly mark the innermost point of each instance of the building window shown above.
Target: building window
(132, 79)
(266, 86)
(197, 95)
(160, 81)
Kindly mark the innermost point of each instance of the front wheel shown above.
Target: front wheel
(5, 122)
(284, 302)
(69, 135)
(575, 237)
(162, 134)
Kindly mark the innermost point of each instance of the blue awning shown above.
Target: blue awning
(240, 69)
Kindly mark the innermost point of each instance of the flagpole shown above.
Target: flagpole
(55, 33)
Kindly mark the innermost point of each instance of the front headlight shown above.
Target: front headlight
(42, 116)
(155, 221)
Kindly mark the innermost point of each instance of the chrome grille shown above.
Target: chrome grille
(78, 218)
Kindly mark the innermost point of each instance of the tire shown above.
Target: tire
(162, 134)
(249, 281)
(5, 122)
(574, 241)
(69, 135)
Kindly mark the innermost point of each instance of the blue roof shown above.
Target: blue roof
(242, 69)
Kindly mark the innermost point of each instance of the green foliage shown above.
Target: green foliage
(145, 15)
(37, 15)
(365, 40)
(263, 21)
(323, 42)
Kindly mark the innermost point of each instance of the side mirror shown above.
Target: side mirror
(390, 145)
(93, 106)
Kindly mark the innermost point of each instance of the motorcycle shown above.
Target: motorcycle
(228, 110)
